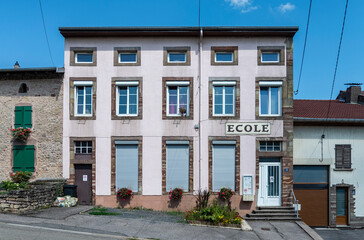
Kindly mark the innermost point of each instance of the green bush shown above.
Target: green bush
(215, 214)
(9, 185)
(19, 177)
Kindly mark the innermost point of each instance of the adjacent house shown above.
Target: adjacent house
(31, 98)
(152, 109)
(328, 159)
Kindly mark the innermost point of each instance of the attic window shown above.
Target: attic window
(23, 88)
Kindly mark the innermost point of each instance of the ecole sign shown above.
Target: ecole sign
(247, 128)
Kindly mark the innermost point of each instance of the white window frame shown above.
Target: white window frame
(274, 144)
(271, 84)
(223, 84)
(126, 84)
(83, 84)
(263, 52)
(83, 144)
(77, 53)
(232, 56)
(125, 52)
(178, 84)
(176, 52)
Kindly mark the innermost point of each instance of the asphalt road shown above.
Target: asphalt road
(341, 234)
(10, 231)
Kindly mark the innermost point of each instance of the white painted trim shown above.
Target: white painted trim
(261, 57)
(224, 83)
(127, 99)
(82, 83)
(127, 83)
(92, 56)
(270, 83)
(177, 83)
(121, 53)
(232, 56)
(177, 52)
(223, 102)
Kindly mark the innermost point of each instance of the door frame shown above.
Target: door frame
(343, 219)
(263, 187)
(89, 169)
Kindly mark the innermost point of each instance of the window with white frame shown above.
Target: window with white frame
(270, 96)
(270, 57)
(178, 98)
(83, 98)
(224, 98)
(127, 98)
(128, 57)
(224, 57)
(84, 57)
(83, 147)
(177, 57)
(270, 146)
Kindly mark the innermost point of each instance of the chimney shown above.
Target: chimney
(16, 65)
(352, 94)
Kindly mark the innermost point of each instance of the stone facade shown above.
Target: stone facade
(45, 95)
(28, 200)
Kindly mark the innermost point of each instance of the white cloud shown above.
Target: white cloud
(244, 5)
(286, 7)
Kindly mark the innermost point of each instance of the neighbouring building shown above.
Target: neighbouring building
(31, 98)
(328, 159)
(152, 109)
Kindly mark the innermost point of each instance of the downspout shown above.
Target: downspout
(199, 108)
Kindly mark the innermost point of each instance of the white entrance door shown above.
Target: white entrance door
(269, 193)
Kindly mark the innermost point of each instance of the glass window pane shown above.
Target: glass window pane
(176, 57)
(218, 90)
(88, 99)
(122, 109)
(229, 99)
(84, 57)
(88, 90)
(274, 100)
(123, 90)
(183, 99)
(173, 109)
(88, 109)
(270, 57)
(340, 201)
(123, 100)
(172, 91)
(218, 109)
(132, 99)
(224, 56)
(229, 109)
(264, 100)
(128, 57)
(183, 90)
(229, 90)
(80, 109)
(133, 109)
(133, 90)
(310, 174)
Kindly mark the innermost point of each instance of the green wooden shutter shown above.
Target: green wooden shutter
(27, 123)
(23, 158)
(23, 116)
(19, 116)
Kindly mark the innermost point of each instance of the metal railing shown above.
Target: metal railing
(295, 203)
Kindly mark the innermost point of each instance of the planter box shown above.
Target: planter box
(230, 225)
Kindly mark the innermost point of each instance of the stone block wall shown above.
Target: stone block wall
(28, 200)
(45, 95)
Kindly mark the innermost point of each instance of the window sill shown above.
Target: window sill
(83, 118)
(343, 169)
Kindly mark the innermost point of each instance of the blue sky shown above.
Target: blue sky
(22, 36)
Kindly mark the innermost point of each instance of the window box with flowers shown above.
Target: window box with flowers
(176, 194)
(124, 195)
(20, 134)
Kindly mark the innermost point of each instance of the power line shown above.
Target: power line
(337, 63)
(45, 32)
(304, 48)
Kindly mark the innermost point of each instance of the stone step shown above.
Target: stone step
(273, 211)
(282, 218)
(276, 208)
(271, 214)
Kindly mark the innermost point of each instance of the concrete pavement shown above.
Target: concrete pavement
(146, 224)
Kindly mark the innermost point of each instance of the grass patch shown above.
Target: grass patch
(101, 211)
(175, 213)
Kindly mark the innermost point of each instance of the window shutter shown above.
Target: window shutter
(127, 166)
(27, 117)
(223, 167)
(19, 116)
(23, 158)
(347, 156)
(177, 167)
(338, 156)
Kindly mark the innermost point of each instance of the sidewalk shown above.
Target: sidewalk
(149, 224)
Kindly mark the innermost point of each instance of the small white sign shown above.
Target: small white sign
(247, 185)
(85, 178)
(271, 179)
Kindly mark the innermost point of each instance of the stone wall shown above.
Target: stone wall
(45, 95)
(28, 200)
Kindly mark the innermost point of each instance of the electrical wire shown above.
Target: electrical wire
(337, 63)
(45, 32)
(304, 48)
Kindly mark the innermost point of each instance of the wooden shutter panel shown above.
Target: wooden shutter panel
(27, 117)
(347, 156)
(23, 158)
(338, 156)
(19, 116)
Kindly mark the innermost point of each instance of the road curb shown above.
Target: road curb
(314, 235)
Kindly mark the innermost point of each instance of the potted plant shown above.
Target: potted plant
(176, 194)
(124, 194)
(183, 111)
(225, 194)
(20, 133)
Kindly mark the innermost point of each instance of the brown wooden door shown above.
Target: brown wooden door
(341, 206)
(83, 175)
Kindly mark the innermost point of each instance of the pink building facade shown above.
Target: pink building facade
(152, 109)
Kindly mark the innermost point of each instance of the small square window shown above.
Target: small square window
(83, 147)
(224, 55)
(270, 146)
(176, 56)
(127, 56)
(270, 57)
(82, 56)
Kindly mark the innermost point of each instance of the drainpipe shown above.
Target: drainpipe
(199, 108)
